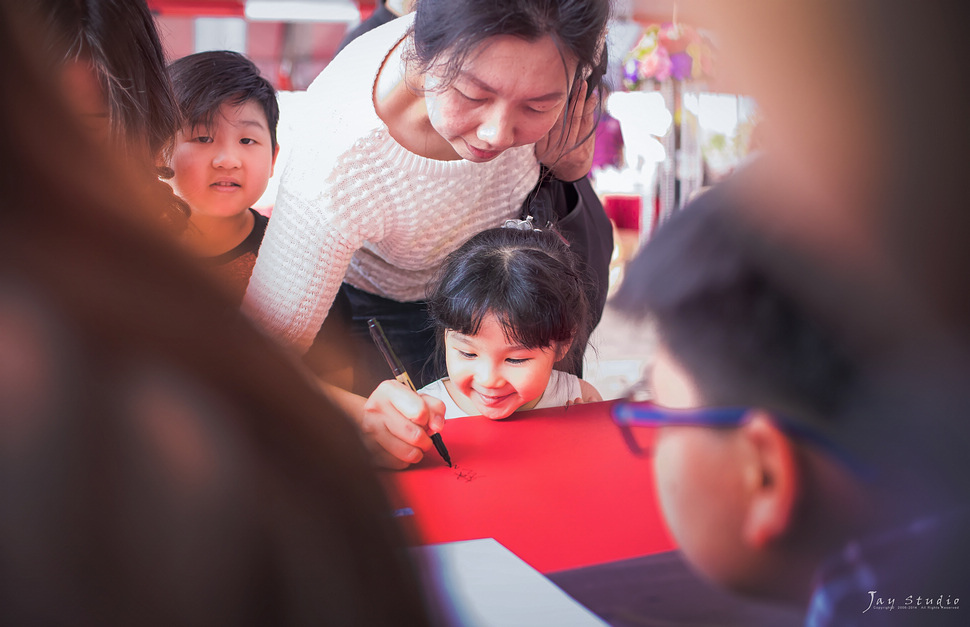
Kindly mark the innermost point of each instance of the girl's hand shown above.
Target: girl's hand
(559, 151)
(590, 394)
(397, 424)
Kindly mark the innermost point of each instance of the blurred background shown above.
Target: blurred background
(292, 40)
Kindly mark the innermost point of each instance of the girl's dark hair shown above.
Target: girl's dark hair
(205, 81)
(446, 32)
(149, 429)
(528, 279)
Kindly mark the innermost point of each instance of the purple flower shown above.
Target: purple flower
(630, 71)
(681, 63)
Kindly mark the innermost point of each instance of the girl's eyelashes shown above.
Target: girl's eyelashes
(511, 360)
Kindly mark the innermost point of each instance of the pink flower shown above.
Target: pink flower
(656, 65)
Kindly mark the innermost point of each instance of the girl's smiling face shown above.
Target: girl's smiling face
(509, 93)
(492, 375)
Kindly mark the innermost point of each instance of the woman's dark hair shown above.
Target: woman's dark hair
(446, 32)
(205, 81)
(164, 462)
(528, 279)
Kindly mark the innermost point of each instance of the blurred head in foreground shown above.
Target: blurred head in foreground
(107, 55)
(790, 461)
(865, 109)
(162, 461)
(828, 286)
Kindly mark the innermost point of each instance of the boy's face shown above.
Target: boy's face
(696, 479)
(492, 377)
(223, 170)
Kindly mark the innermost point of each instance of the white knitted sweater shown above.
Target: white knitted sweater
(354, 205)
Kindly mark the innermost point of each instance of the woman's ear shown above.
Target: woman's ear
(772, 480)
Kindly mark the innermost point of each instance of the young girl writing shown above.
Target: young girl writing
(507, 305)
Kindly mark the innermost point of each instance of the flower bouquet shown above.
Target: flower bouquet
(668, 51)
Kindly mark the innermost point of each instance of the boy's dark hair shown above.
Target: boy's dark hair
(727, 309)
(204, 81)
(529, 280)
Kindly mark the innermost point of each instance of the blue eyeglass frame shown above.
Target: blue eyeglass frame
(627, 414)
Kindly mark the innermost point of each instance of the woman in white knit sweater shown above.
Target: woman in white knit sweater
(418, 135)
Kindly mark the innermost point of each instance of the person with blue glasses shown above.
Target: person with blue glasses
(783, 470)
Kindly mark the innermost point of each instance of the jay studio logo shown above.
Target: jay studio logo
(892, 603)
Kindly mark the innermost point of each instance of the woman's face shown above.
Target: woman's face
(509, 93)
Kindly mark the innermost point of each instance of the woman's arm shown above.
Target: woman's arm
(301, 264)
(317, 222)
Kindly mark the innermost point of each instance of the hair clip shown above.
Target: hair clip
(521, 225)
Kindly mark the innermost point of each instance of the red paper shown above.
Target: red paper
(557, 487)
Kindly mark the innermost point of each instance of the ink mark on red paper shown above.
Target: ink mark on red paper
(464, 474)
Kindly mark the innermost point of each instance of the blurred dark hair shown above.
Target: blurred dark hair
(711, 283)
(120, 38)
(205, 81)
(121, 41)
(163, 461)
(528, 279)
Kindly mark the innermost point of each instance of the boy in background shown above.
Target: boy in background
(803, 455)
(223, 159)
